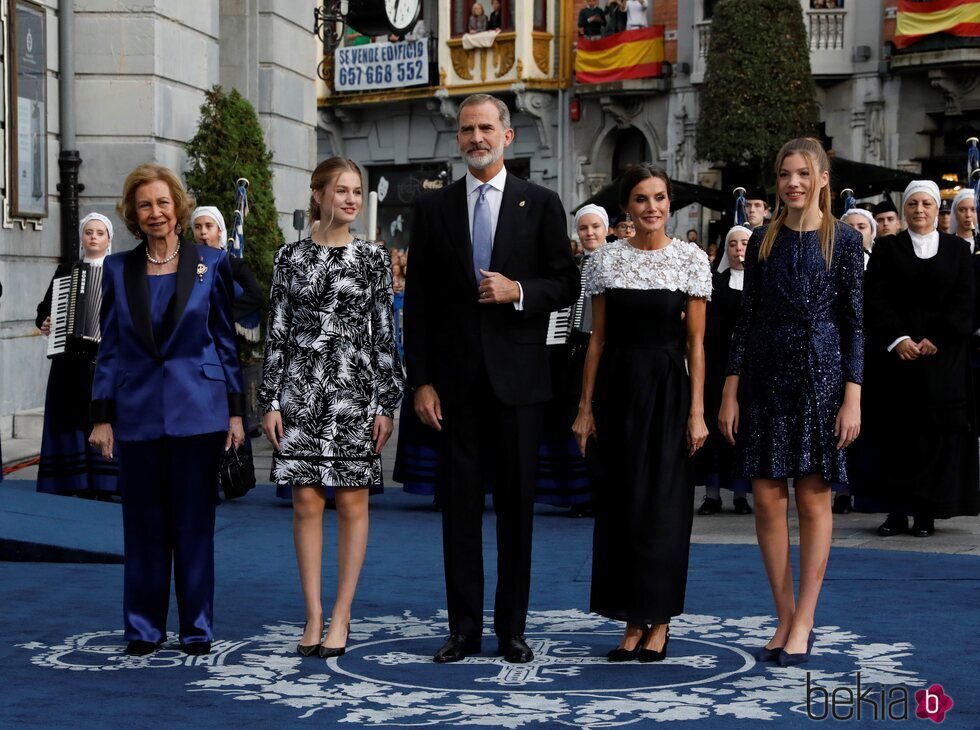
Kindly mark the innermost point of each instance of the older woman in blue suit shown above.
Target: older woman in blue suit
(168, 391)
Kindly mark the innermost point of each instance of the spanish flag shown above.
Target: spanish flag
(632, 54)
(917, 20)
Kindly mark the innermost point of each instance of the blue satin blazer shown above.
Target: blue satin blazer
(191, 382)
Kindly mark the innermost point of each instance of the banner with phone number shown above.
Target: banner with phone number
(376, 66)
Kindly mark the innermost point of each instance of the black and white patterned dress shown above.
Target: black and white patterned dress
(331, 362)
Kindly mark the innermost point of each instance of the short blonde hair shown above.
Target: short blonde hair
(150, 172)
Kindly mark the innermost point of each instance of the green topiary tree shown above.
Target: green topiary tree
(758, 91)
(229, 144)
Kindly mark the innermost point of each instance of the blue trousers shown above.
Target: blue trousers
(169, 491)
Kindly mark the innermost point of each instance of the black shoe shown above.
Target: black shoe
(141, 648)
(923, 527)
(196, 648)
(769, 655)
(791, 660)
(457, 647)
(741, 505)
(620, 654)
(710, 506)
(514, 650)
(842, 504)
(326, 652)
(895, 524)
(308, 650)
(649, 655)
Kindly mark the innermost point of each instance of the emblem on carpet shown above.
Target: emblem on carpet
(387, 676)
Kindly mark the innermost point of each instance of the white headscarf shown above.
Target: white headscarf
(211, 212)
(866, 214)
(724, 264)
(594, 210)
(81, 246)
(964, 194)
(923, 186)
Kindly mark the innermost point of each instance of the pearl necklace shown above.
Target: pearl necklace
(161, 262)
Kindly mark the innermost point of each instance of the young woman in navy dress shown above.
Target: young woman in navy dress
(792, 397)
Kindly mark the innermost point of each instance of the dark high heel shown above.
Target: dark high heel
(769, 655)
(765, 654)
(309, 650)
(327, 652)
(791, 660)
(627, 655)
(649, 655)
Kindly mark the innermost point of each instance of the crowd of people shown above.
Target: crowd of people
(618, 15)
(617, 377)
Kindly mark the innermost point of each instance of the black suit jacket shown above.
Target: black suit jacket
(449, 336)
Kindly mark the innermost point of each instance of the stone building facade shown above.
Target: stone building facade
(142, 68)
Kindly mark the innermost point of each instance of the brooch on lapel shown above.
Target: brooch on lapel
(202, 269)
(521, 204)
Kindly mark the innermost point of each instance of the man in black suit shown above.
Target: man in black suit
(489, 261)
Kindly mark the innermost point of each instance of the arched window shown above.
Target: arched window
(631, 149)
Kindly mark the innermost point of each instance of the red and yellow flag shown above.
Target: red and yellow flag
(632, 54)
(917, 20)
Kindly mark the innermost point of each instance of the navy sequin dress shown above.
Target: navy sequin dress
(798, 339)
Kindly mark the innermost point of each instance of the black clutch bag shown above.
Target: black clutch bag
(237, 473)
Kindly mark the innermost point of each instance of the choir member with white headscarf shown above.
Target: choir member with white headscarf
(964, 220)
(714, 463)
(863, 222)
(68, 464)
(209, 228)
(919, 294)
(565, 478)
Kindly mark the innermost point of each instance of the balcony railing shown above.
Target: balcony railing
(702, 37)
(828, 34)
(826, 29)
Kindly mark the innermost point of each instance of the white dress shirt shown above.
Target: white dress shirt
(495, 195)
(925, 247)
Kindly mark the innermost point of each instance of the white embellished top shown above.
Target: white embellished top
(678, 266)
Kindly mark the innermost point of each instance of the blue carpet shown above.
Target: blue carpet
(905, 621)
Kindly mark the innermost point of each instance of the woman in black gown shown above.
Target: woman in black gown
(920, 317)
(648, 309)
(793, 391)
(715, 463)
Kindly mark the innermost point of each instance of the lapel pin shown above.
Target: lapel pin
(202, 269)
(521, 204)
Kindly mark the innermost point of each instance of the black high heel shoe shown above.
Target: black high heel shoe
(308, 650)
(769, 655)
(326, 652)
(627, 655)
(791, 660)
(649, 655)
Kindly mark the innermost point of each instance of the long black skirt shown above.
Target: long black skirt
(645, 511)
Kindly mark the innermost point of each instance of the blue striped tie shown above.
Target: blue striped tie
(482, 232)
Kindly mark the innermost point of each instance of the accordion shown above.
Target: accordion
(563, 322)
(75, 303)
